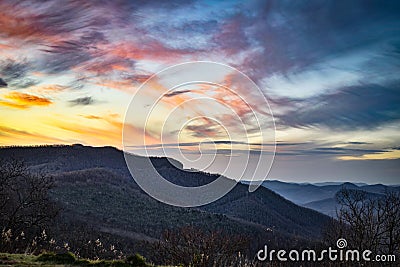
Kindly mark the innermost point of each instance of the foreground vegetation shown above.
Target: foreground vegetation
(67, 259)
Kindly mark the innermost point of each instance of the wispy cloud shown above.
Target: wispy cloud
(50, 88)
(365, 106)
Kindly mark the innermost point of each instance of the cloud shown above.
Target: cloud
(307, 151)
(74, 52)
(16, 73)
(2, 83)
(171, 25)
(386, 155)
(149, 49)
(15, 136)
(341, 151)
(7, 131)
(112, 119)
(235, 145)
(50, 88)
(92, 117)
(175, 93)
(106, 64)
(292, 37)
(358, 143)
(24, 101)
(231, 36)
(191, 144)
(13, 69)
(205, 127)
(366, 106)
(82, 101)
(126, 84)
(34, 22)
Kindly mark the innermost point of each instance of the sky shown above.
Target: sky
(328, 69)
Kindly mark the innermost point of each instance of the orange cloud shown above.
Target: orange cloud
(49, 88)
(92, 117)
(122, 85)
(24, 101)
(152, 50)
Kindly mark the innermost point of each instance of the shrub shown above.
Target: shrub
(136, 260)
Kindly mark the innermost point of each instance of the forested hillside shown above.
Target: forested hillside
(99, 198)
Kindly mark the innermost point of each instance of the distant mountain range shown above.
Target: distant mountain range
(334, 183)
(321, 196)
(95, 188)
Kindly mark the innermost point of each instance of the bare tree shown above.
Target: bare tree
(391, 222)
(367, 221)
(25, 207)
